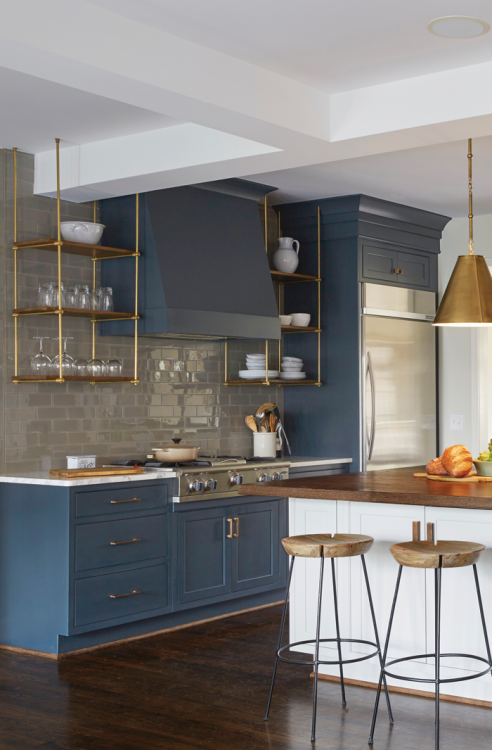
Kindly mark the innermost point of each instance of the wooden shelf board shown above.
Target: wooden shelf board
(273, 381)
(98, 252)
(73, 313)
(300, 329)
(291, 278)
(70, 378)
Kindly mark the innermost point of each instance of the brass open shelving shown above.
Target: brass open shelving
(281, 279)
(95, 253)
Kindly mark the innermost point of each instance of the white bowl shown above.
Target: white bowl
(292, 375)
(255, 366)
(256, 356)
(255, 374)
(82, 231)
(291, 359)
(292, 367)
(285, 320)
(301, 320)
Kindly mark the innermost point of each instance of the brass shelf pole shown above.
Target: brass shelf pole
(319, 297)
(16, 317)
(59, 247)
(137, 254)
(225, 363)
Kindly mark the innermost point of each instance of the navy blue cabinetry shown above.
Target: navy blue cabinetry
(363, 239)
(228, 549)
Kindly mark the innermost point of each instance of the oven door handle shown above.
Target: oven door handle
(372, 436)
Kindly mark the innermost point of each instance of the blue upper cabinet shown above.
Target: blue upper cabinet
(363, 239)
(204, 269)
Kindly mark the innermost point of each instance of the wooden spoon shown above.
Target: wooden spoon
(273, 419)
(250, 422)
(266, 407)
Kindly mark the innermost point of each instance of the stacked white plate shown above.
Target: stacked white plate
(256, 368)
(292, 369)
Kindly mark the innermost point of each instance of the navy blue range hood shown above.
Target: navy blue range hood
(204, 270)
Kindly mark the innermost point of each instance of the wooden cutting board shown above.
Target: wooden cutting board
(470, 478)
(108, 471)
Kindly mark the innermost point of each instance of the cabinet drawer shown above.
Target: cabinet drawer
(98, 545)
(93, 602)
(128, 498)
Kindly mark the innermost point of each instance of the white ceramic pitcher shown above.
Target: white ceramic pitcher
(286, 258)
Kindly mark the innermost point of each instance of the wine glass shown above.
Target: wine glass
(95, 367)
(68, 362)
(115, 367)
(41, 363)
(81, 368)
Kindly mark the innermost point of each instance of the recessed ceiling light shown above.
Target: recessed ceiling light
(458, 27)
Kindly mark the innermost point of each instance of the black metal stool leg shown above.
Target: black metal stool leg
(437, 601)
(282, 625)
(369, 595)
(390, 625)
(487, 645)
(335, 596)
(316, 657)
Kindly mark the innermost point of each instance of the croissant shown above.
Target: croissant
(435, 467)
(457, 461)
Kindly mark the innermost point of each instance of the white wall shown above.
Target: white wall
(458, 347)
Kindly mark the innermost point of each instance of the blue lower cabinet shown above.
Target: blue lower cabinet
(255, 546)
(203, 555)
(110, 598)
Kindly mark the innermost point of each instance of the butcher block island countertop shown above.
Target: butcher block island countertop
(397, 486)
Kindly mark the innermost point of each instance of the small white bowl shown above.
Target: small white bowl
(86, 232)
(292, 367)
(301, 320)
(285, 320)
(291, 359)
(292, 375)
(255, 365)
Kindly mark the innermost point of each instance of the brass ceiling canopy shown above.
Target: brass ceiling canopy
(467, 301)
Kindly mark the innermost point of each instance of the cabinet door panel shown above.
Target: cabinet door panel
(379, 263)
(387, 524)
(203, 553)
(415, 270)
(461, 628)
(311, 517)
(255, 551)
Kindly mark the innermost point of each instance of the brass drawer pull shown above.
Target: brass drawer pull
(120, 596)
(133, 500)
(127, 541)
(229, 535)
(237, 527)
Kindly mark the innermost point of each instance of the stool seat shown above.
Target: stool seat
(427, 554)
(328, 545)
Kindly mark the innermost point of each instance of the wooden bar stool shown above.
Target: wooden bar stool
(326, 545)
(437, 555)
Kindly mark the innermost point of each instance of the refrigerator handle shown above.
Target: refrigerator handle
(373, 406)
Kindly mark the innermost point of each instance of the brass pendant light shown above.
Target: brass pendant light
(467, 301)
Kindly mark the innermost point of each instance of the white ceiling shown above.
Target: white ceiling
(329, 44)
(434, 178)
(35, 111)
(319, 97)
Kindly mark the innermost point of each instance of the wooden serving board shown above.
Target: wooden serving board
(108, 471)
(470, 478)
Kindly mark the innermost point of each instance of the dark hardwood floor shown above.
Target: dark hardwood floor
(206, 687)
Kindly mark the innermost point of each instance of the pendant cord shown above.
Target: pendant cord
(470, 196)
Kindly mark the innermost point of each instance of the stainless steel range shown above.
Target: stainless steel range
(223, 476)
(210, 478)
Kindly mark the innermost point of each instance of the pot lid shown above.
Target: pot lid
(175, 445)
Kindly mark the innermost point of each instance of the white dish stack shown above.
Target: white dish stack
(292, 369)
(256, 368)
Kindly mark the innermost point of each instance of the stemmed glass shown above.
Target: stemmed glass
(67, 361)
(41, 363)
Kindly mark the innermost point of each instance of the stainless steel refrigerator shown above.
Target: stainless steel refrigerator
(398, 377)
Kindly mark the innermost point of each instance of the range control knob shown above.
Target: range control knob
(210, 484)
(265, 478)
(195, 485)
(277, 476)
(236, 478)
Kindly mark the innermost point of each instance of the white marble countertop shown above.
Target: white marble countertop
(44, 477)
(301, 461)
